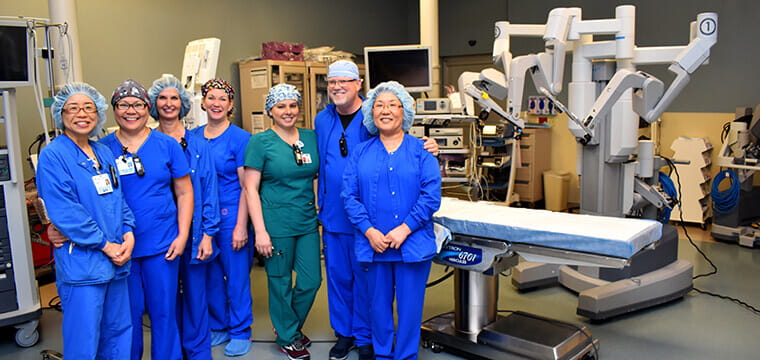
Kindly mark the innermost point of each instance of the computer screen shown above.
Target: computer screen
(15, 54)
(410, 65)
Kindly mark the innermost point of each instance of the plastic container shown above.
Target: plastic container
(556, 184)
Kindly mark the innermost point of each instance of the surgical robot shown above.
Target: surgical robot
(618, 180)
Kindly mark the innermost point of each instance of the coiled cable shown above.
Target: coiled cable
(725, 201)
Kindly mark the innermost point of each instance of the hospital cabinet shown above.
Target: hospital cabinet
(694, 179)
(317, 81)
(256, 77)
(535, 149)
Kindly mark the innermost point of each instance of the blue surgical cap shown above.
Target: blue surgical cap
(343, 68)
(279, 93)
(396, 89)
(169, 82)
(65, 93)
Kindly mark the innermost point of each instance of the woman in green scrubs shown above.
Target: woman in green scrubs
(280, 167)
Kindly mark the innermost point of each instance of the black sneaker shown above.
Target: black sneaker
(342, 348)
(366, 352)
(296, 351)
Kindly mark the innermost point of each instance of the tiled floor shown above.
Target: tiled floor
(695, 327)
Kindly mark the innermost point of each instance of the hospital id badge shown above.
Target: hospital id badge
(102, 184)
(126, 165)
(306, 158)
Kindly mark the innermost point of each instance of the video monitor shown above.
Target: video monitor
(410, 65)
(15, 54)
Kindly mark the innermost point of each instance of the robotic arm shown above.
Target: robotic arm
(649, 102)
(546, 68)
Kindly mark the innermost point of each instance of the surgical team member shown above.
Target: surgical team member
(339, 131)
(391, 188)
(155, 176)
(229, 282)
(170, 102)
(77, 180)
(281, 164)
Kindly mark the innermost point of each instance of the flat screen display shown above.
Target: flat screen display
(410, 65)
(14, 66)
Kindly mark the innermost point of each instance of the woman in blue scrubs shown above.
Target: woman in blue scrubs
(157, 186)
(170, 102)
(281, 165)
(229, 282)
(76, 177)
(391, 188)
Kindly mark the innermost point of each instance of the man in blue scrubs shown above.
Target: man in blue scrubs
(339, 130)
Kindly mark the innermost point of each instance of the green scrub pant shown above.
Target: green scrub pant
(289, 305)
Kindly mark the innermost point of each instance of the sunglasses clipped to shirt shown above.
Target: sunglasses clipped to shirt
(298, 154)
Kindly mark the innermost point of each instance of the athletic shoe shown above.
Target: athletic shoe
(295, 351)
(366, 352)
(219, 337)
(237, 347)
(305, 341)
(342, 348)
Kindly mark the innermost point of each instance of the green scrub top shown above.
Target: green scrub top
(286, 189)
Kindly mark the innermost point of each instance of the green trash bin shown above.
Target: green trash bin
(556, 185)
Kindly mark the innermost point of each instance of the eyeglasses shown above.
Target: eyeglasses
(75, 109)
(343, 145)
(298, 155)
(183, 143)
(137, 106)
(139, 168)
(392, 106)
(340, 82)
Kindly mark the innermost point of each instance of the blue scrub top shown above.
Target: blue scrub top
(205, 196)
(86, 218)
(286, 188)
(384, 190)
(228, 153)
(150, 196)
(332, 163)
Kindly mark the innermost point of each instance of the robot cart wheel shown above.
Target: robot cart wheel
(25, 338)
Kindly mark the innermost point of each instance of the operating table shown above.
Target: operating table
(482, 239)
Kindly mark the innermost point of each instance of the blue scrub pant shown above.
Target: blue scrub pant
(406, 283)
(96, 320)
(347, 292)
(229, 287)
(289, 304)
(192, 309)
(153, 286)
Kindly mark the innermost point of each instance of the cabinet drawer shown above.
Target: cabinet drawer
(524, 173)
(527, 155)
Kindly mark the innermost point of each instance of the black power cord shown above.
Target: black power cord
(673, 168)
(441, 279)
